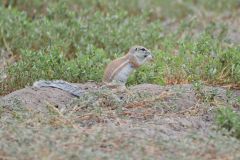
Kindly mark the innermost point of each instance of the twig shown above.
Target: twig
(148, 101)
(61, 115)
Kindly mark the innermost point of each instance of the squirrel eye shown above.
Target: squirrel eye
(143, 49)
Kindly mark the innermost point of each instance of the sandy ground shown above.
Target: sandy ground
(148, 121)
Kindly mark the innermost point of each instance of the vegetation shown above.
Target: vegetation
(193, 41)
(230, 120)
(75, 40)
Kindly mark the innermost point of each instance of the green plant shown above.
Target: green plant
(74, 40)
(51, 64)
(228, 119)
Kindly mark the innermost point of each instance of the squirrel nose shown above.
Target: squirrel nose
(151, 57)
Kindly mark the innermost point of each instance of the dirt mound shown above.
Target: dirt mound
(147, 121)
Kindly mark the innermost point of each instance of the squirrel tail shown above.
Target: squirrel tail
(60, 84)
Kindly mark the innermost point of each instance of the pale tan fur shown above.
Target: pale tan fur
(117, 65)
(114, 67)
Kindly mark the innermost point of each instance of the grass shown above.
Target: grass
(192, 42)
(99, 126)
(75, 40)
(228, 119)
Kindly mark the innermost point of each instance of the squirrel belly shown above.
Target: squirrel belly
(122, 76)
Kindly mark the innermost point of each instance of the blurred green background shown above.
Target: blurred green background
(192, 40)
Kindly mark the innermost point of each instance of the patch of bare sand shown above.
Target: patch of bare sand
(154, 121)
(175, 109)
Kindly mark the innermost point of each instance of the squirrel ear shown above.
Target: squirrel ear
(136, 49)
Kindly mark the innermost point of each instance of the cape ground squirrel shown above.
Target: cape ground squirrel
(116, 73)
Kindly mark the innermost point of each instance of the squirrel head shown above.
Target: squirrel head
(139, 55)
